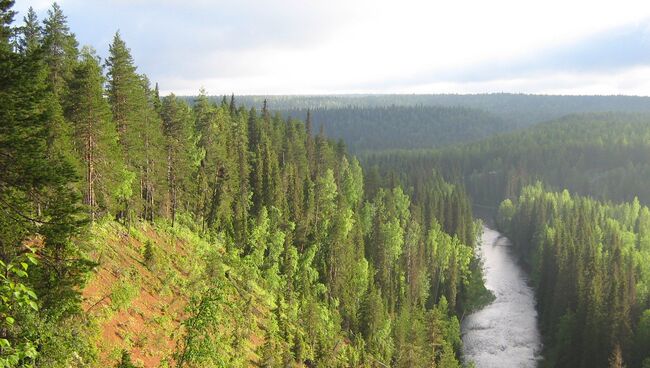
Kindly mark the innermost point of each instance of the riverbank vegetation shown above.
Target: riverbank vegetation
(589, 264)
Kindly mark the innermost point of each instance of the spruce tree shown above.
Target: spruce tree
(124, 92)
(60, 55)
(31, 33)
(60, 49)
(232, 107)
(6, 18)
(37, 200)
(208, 177)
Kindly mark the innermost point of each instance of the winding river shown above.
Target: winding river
(504, 333)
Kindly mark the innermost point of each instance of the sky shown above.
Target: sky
(374, 46)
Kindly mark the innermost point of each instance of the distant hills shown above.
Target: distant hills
(398, 121)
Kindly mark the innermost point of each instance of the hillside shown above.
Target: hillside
(602, 155)
(138, 294)
(519, 109)
(366, 129)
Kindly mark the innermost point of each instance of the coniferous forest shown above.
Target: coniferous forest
(145, 229)
(589, 262)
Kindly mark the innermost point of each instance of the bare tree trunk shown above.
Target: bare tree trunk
(90, 164)
(173, 200)
(171, 180)
(213, 203)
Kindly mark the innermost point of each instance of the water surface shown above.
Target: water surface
(504, 333)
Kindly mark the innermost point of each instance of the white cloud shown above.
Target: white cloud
(331, 46)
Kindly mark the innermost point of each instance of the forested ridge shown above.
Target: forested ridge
(366, 129)
(251, 239)
(372, 123)
(521, 110)
(604, 155)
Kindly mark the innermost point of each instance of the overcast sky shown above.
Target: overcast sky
(375, 46)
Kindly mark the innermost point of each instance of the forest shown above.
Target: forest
(231, 235)
(404, 127)
(603, 155)
(586, 251)
(376, 123)
(522, 110)
(589, 264)
(146, 229)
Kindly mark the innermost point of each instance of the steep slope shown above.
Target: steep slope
(138, 296)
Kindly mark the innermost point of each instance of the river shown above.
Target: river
(504, 333)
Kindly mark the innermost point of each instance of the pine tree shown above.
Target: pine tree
(177, 126)
(95, 135)
(139, 131)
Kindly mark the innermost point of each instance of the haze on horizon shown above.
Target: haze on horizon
(380, 46)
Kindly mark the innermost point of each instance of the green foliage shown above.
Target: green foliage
(302, 260)
(586, 262)
(60, 47)
(601, 155)
(206, 342)
(125, 360)
(642, 339)
(179, 146)
(476, 295)
(148, 254)
(123, 293)
(40, 207)
(96, 137)
(520, 109)
(17, 299)
(31, 37)
(405, 127)
(139, 129)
